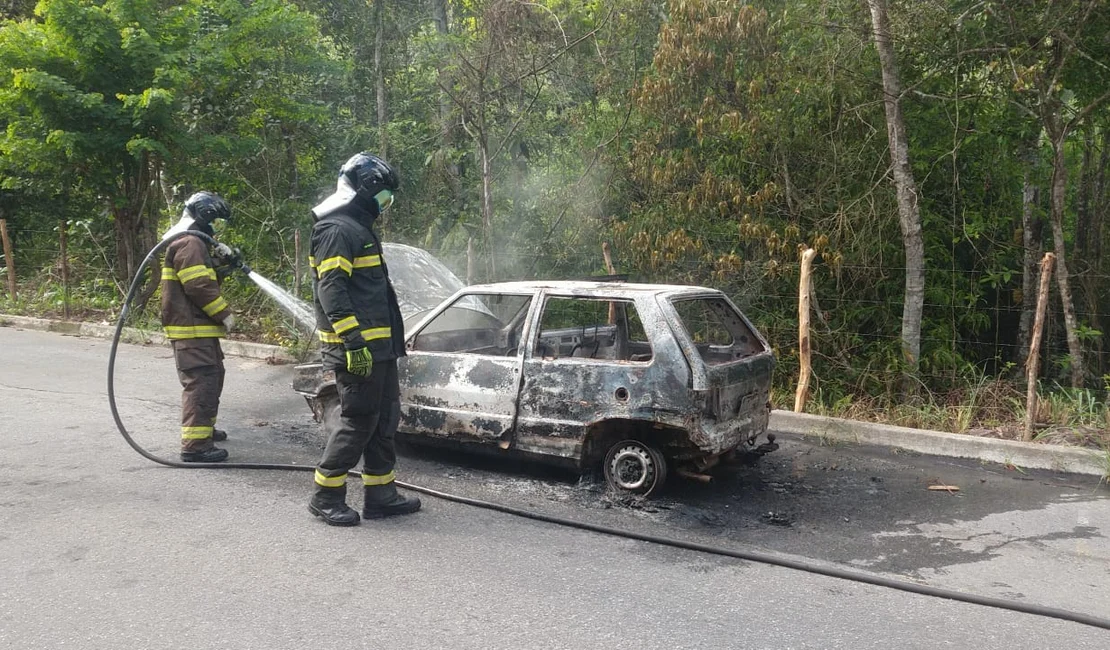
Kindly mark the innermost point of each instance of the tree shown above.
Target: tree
(1050, 55)
(908, 209)
(502, 67)
(89, 100)
(263, 127)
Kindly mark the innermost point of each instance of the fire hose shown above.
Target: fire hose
(751, 555)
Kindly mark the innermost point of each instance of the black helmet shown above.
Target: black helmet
(368, 176)
(206, 207)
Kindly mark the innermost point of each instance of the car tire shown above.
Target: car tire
(635, 467)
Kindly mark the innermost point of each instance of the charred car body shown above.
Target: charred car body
(639, 378)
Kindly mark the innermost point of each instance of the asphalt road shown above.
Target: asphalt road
(100, 548)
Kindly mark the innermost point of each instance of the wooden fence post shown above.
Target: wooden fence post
(62, 241)
(9, 260)
(805, 353)
(1033, 361)
(297, 262)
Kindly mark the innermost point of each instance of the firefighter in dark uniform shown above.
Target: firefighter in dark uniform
(362, 335)
(195, 316)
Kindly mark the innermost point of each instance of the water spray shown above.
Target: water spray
(305, 318)
(297, 308)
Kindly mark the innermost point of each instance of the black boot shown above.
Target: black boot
(386, 501)
(330, 504)
(210, 455)
(219, 435)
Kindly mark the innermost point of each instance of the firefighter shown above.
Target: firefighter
(195, 316)
(361, 335)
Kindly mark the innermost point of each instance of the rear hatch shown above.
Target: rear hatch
(736, 361)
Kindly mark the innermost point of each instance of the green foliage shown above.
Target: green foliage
(706, 140)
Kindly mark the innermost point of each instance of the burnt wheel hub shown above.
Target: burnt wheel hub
(632, 468)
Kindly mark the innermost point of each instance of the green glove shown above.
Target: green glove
(360, 361)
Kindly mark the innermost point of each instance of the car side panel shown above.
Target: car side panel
(459, 396)
(561, 398)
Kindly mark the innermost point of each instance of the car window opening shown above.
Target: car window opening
(592, 329)
(480, 324)
(718, 332)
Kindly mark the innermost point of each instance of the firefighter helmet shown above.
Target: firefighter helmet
(370, 176)
(366, 181)
(206, 207)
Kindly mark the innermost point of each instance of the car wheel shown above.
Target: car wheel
(635, 467)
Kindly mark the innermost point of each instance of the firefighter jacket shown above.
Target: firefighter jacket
(354, 299)
(192, 307)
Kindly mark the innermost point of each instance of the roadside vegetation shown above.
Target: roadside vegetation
(707, 141)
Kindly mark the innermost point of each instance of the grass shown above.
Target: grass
(983, 406)
(98, 300)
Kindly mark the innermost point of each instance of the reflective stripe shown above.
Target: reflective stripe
(384, 479)
(196, 433)
(376, 333)
(345, 324)
(367, 261)
(215, 307)
(332, 263)
(194, 331)
(195, 273)
(169, 274)
(329, 337)
(367, 335)
(311, 261)
(331, 481)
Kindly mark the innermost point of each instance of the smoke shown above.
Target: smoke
(548, 223)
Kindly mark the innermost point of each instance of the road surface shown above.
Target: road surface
(100, 548)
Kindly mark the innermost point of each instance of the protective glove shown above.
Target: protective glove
(224, 255)
(229, 322)
(360, 361)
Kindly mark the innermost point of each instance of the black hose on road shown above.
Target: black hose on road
(799, 564)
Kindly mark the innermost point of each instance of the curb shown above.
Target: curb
(937, 443)
(246, 349)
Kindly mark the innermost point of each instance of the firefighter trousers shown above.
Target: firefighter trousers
(364, 425)
(200, 367)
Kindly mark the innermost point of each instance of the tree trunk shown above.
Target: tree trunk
(1059, 190)
(1085, 267)
(1032, 236)
(487, 201)
(439, 16)
(291, 161)
(906, 188)
(379, 77)
(1083, 204)
(1100, 203)
(451, 168)
(135, 224)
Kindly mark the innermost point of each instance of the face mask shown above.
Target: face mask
(384, 199)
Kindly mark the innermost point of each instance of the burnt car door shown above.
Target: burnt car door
(591, 360)
(461, 379)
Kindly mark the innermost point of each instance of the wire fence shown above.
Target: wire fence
(66, 271)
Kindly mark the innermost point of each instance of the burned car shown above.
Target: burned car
(635, 378)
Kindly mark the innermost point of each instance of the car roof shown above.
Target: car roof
(585, 287)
